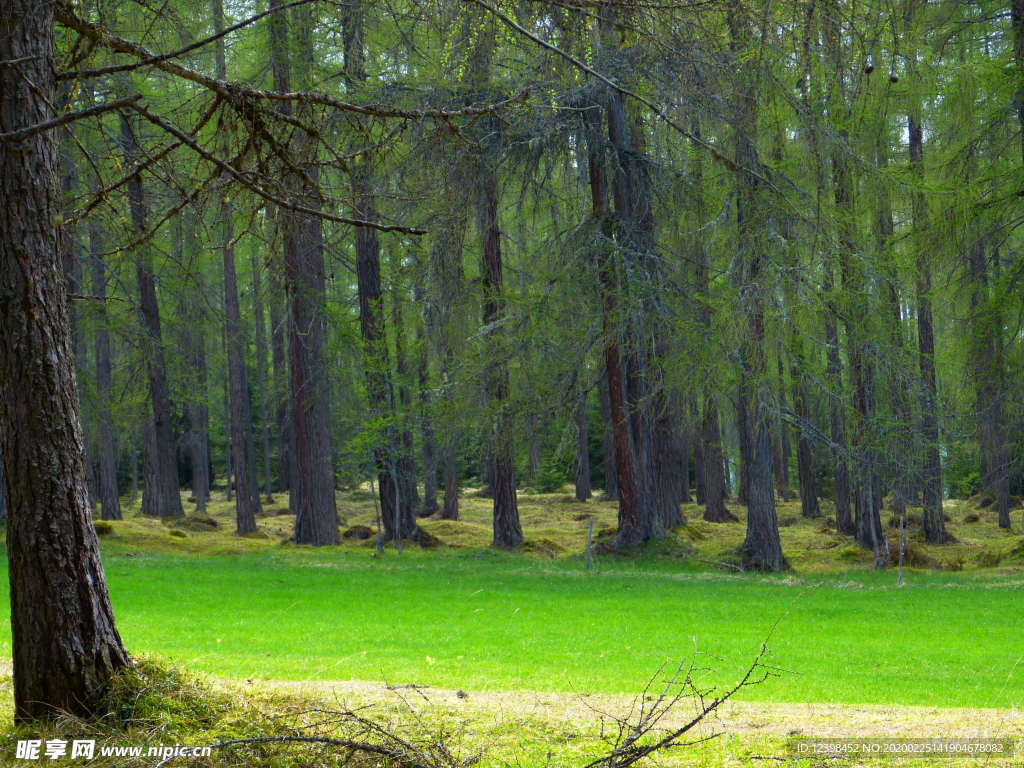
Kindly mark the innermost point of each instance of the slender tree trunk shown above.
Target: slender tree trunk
(109, 498)
(583, 488)
(711, 485)
(608, 462)
(1017, 25)
(809, 506)
(160, 493)
(780, 438)
(508, 533)
(110, 502)
(280, 378)
(429, 441)
(761, 547)
(407, 452)
(192, 320)
(259, 318)
(934, 524)
(72, 263)
(395, 500)
(312, 483)
(629, 523)
(229, 464)
(867, 521)
(247, 491)
(633, 226)
(743, 438)
(987, 372)
(64, 643)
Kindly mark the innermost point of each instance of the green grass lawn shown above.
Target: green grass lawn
(482, 620)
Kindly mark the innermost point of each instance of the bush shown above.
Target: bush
(550, 479)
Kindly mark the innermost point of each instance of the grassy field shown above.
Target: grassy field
(465, 617)
(528, 657)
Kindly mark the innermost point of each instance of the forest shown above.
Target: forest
(722, 282)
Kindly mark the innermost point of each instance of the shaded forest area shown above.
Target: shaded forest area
(709, 248)
(713, 249)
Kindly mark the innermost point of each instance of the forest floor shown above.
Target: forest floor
(555, 526)
(521, 654)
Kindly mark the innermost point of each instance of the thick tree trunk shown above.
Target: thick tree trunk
(161, 496)
(312, 482)
(670, 461)
(715, 491)
(450, 510)
(65, 646)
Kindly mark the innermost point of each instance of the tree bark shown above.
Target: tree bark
(403, 411)
(508, 533)
(629, 523)
(427, 436)
(247, 491)
(608, 462)
(192, 321)
(312, 482)
(110, 501)
(988, 373)
(584, 489)
(161, 496)
(761, 549)
(260, 329)
(933, 521)
(64, 642)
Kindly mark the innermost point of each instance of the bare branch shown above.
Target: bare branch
(70, 117)
(254, 186)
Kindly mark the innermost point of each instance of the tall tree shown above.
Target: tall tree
(161, 496)
(761, 547)
(931, 476)
(312, 482)
(247, 491)
(64, 642)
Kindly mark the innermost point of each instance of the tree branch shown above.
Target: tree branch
(238, 176)
(70, 117)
